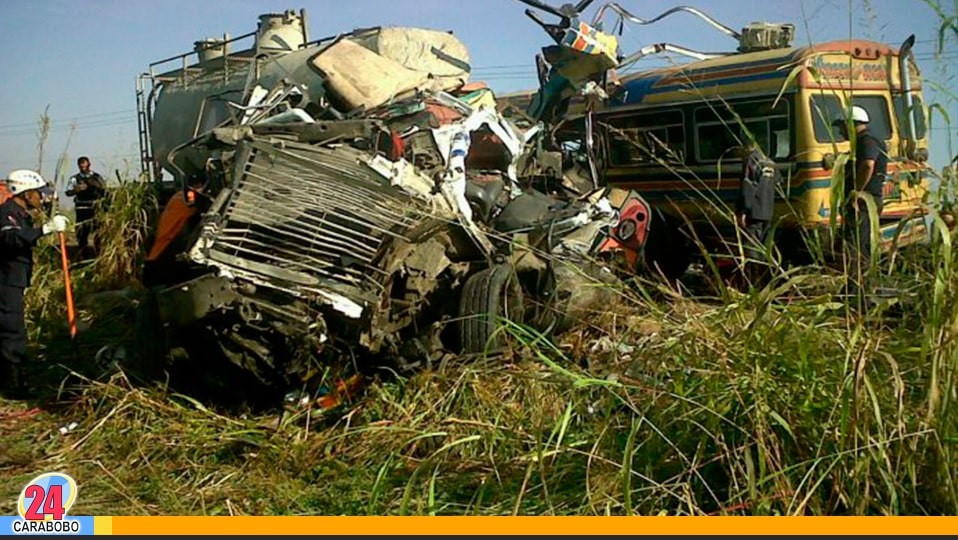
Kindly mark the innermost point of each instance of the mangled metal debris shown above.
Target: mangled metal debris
(362, 195)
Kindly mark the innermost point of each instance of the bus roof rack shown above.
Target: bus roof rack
(762, 36)
(756, 36)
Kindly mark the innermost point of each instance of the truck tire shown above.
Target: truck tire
(668, 253)
(151, 344)
(488, 297)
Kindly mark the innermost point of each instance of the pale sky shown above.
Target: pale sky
(81, 57)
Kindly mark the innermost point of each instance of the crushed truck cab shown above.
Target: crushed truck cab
(364, 198)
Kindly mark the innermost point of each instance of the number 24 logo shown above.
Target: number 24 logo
(50, 495)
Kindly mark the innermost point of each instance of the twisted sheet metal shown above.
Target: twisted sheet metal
(316, 218)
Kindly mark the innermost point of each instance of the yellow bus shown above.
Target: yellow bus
(671, 134)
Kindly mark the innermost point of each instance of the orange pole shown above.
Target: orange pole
(71, 313)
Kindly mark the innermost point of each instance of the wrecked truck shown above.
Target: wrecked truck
(363, 198)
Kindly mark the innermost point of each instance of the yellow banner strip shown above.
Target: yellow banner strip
(102, 525)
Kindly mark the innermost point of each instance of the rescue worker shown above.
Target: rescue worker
(178, 219)
(756, 202)
(17, 238)
(86, 187)
(866, 174)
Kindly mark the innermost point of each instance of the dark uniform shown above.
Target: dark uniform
(856, 221)
(757, 201)
(17, 238)
(84, 201)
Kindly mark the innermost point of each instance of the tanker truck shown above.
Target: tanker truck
(361, 197)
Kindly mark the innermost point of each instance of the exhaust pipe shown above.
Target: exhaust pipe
(905, 79)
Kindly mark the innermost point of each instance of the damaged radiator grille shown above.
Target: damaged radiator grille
(315, 218)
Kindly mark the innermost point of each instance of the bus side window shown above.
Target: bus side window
(781, 144)
(621, 147)
(719, 129)
(714, 140)
(646, 139)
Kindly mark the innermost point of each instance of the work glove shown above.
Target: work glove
(57, 224)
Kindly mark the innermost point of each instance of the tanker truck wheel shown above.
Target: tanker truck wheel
(151, 343)
(489, 297)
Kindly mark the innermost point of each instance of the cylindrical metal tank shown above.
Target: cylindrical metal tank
(190, 105)
(192, 101)
(210, 48)
(280, 32)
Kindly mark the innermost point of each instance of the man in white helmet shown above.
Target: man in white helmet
(866, 174)
(18, 235)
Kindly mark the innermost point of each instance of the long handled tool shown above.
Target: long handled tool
(71, 312)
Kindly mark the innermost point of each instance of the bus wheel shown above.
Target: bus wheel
(488, 297)
(794, 248)
(667, 253)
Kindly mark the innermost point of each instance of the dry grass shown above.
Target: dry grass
(777, 402)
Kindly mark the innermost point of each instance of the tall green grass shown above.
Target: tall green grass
(776, 403)
(125, 218)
